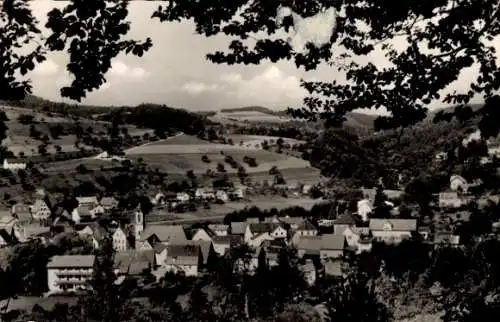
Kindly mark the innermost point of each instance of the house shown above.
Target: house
(391, 194)
(108, 203)
(120, 240)
(304, 228)
(424, 231)
(204, 194)
(134, 263)
(237, 193)
(14, 164)
(207, 251)
(309, 272)
(36, 232)
(184, 259)
(446, 239)
(451, 200)
(136, 218)
(223, 244)
(89, 202)
(202, 234)
(325, 246)
(10, 230)
(458, 184)
(306, 189)
(40, 210)
(272, 254)
(69, 272)
(364, 208)
(219, 230)
(94, 231)
(345, 221)
(22, 212)
(332, 246)
(158, 199)
(354, 235)
(183, 197)
(163, 234)
(249, 264)
(392, 230)
(221, 195)
(256, 233)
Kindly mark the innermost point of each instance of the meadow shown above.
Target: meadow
(248, 117)
(182, 153)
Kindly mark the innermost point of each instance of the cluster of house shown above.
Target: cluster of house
(199, 194)
(172, 248)
(24, 222)
(458, 194)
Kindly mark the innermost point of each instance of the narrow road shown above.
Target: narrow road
(218, 218)
(150, 143)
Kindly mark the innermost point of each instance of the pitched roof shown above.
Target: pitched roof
(108, 201)
(176, 250)
(306, 225)
(205, 247)
(159, 247)
(187, 254)
(33, 231)
(84, 211)
(238, 227)
(133, 261)
(311, 244)
(396, 224)
(209, 232)
(166, 233)
(218, 227)
(263, 227)
(227, 240)
(346, 219)
(6, 236)
(291, 220)
(323, 242)
(86, 200)
(332, 241)
(23, 217)
(21, 208)
(71, 261)
(182, 260)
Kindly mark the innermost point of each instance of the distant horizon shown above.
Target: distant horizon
(175, 70)
(187, 108)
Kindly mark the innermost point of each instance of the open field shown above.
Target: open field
(218, 212)
(183, 153)
(250, 141)
(176, 159)
(68, 166)
(248, 117)
(18, 135)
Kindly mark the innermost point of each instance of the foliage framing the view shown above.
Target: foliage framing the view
(457, 34)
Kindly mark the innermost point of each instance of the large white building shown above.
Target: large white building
(14, 164)
(69, 272)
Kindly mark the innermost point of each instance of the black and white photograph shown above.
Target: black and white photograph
(249, 161)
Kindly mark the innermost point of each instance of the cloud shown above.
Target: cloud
(196, 88)
(46, 68)
(125, 72)
(271, 87)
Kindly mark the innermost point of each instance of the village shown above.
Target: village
(321, 243)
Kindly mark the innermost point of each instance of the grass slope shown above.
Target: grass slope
(180, 154)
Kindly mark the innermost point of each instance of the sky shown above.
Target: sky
(175, 71)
